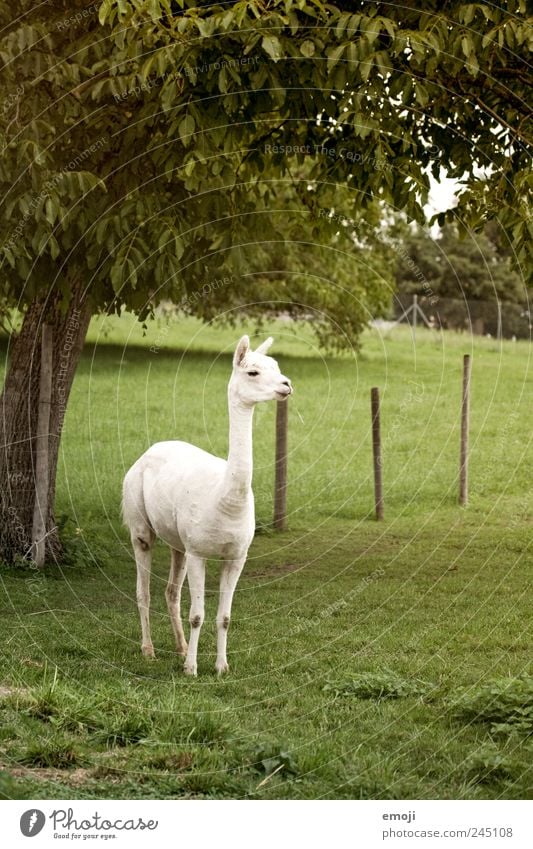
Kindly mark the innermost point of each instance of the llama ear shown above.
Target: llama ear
(264, 346)
(241, 350)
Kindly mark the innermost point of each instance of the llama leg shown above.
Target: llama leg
(228, 581)
(195, 567)
(142, 547)
(178, 570)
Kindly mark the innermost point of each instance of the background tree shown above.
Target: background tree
(461, 283)
(143, 148)
(474, 268)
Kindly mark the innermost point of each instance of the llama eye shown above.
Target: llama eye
(252, 373)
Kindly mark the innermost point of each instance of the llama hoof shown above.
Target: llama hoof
(221, 667)
(148, 651)
(190, 669)
(182, 652)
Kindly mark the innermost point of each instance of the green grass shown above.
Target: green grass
(368, 660)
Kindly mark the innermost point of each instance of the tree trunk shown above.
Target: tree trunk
(19, 412)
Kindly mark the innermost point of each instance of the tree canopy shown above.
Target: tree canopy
(147, 142)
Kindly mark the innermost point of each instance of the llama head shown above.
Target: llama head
(256, 377)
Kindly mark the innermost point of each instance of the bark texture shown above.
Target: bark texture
(19, 412)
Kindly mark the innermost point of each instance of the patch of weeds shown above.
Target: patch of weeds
(19, 565)
(81, 548)
(268, 758)
(506, 705)
(123, 730)
(179, 762)
(107, 722)
(489, 765)
(10, 731)
(50, 753)
(206, 730)
(377, 686)
(61, 709)
(43, 704)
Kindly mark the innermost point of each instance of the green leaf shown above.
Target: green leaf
(42, 243)
(116, 276)
(307, 48)
(341, 24)
(186, 129)
(422, 95)
(351, 54)
(353, 26)
(51, 210)
(293, 22)
(163, 241)
(468, 13)
(180, 246)
(383, 62)
(9, 256)
(54, 247)
(364, 69)
(101, 231)
(271, 45)
(104, 11)
(223, 80)
(335, 55)
(206, 26)
(132, 273)
(373, 30)
(472, 65)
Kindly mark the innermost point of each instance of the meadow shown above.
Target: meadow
(367, 660)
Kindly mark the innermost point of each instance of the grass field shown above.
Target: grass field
(368, 660)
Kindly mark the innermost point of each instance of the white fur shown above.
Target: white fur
(202, 506)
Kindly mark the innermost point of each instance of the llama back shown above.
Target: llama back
(167, 464)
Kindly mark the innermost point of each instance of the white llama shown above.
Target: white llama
(201, 506)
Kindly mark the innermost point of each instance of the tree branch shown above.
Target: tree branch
(513, 130)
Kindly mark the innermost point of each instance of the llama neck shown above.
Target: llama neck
(238, 478)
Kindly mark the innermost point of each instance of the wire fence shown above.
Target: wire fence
(500, 319)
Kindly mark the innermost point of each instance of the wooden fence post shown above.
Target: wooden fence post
(465, 423)
(280, 483)
(376, 450)
(40, 511)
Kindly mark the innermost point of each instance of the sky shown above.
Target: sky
(442, 194)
